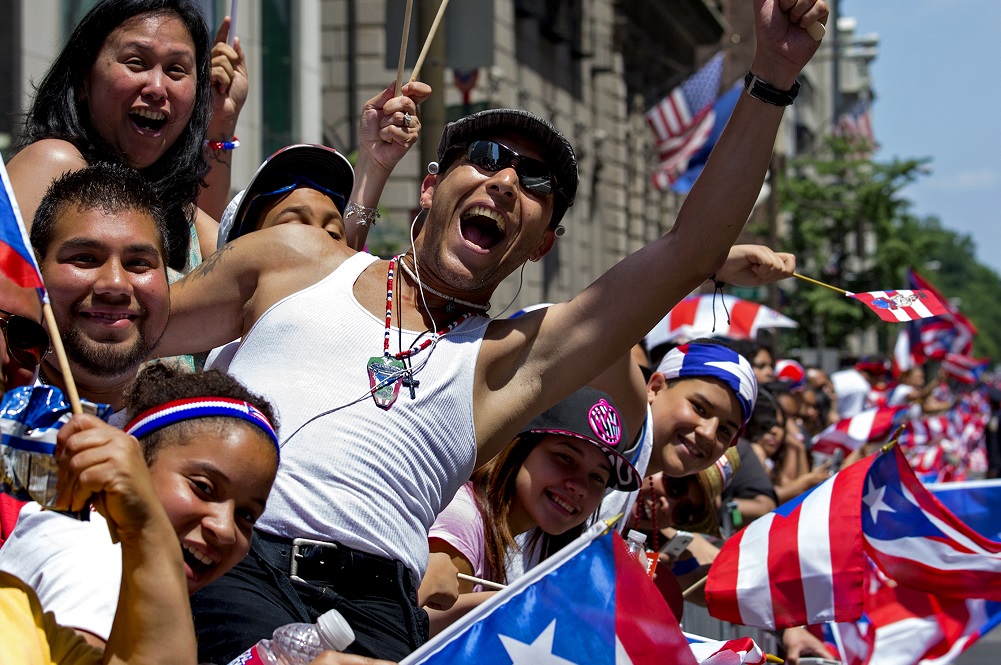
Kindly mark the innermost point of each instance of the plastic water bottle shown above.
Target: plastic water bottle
(300, 643)
(636, 544)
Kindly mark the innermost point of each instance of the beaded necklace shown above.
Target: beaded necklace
(387, 372)
(452, 300)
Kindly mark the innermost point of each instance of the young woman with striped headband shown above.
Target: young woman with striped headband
(212, 453)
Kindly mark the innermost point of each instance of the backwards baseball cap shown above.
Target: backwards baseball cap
(715, 361)
(713, 481)
(590, 415)
(873, 364)
(299, 165)
(554, 147)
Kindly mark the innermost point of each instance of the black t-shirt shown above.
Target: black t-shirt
(751, 478)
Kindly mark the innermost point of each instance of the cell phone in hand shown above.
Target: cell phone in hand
(836, 459)
(678, 544)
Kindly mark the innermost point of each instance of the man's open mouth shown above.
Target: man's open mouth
(482, 227)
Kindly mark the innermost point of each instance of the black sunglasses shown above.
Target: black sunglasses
(27, 340)
(533, 174)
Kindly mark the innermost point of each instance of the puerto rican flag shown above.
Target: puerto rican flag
(949, 333)
(17, 261)
(906, 627)
(869, 426)
(590, 603)
(806, 562)
(740, 651)
(902, 305)
(964, 368)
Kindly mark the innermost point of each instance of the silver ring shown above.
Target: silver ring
(406, 119)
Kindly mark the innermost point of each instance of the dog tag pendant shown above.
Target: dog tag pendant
(384, 374)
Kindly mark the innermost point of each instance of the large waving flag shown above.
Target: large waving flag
(805, 563)
(684, 120)
(721, 112)
(590, 603)
(907, 627)
(950, 332)
(964, 368)
(17, 261)
(869, 426)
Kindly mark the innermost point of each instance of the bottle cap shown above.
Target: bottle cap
(334, 631)
(635, 536)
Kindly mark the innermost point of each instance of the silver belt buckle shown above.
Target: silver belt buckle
(294, 564)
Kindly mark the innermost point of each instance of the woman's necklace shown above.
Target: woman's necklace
(451, 301)
(387, 372)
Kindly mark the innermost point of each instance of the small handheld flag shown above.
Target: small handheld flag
(17, 261)
(903, 305)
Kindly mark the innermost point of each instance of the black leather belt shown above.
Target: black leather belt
(347, 571)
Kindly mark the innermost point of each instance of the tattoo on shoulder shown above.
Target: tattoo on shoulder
(210, 264)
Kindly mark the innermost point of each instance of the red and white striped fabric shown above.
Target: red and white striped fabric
(697, 316)
(741, 651)
(801, 564)
(964, 368)
(869, 426)
(902, 305)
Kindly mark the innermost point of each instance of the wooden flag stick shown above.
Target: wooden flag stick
(403, 46)
(695, 587)
(64, 364)
(430, 38)
(482, 582)
(827, 286)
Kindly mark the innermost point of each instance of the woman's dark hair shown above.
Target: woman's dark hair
(766, 414)
(56, 111)
(158, 384)
(494, 492)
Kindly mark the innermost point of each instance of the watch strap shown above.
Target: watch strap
(766, 92)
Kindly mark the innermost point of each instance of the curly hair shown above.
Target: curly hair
(112, 188)
(158, 384)
(58, 112)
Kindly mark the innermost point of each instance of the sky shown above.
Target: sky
(937, 81)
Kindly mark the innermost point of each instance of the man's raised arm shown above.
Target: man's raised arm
(578, 339)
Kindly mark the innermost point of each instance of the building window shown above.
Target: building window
(548, 34)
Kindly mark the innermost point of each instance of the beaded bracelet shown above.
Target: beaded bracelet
(223, 145)
(365, 215)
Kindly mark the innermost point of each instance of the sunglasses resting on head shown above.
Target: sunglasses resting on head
(27, 341)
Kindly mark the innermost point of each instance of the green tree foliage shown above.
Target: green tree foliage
(850, 226)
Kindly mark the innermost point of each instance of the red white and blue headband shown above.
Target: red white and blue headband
(199, 407)
(714, 361)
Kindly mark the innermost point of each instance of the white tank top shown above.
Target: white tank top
(362, 476)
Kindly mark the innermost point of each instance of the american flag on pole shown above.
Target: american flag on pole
(806, 562)
(902, 305)
(869, 426)
(683, 121)
(964, 368)
(855, 123)
(17, 261)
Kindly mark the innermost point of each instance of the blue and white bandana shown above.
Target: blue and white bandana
(714, 361)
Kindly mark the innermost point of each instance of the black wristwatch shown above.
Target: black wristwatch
(766, 92)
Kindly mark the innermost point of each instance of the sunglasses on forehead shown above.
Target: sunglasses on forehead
(533, 174)
(298, 182)
(27, 341)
